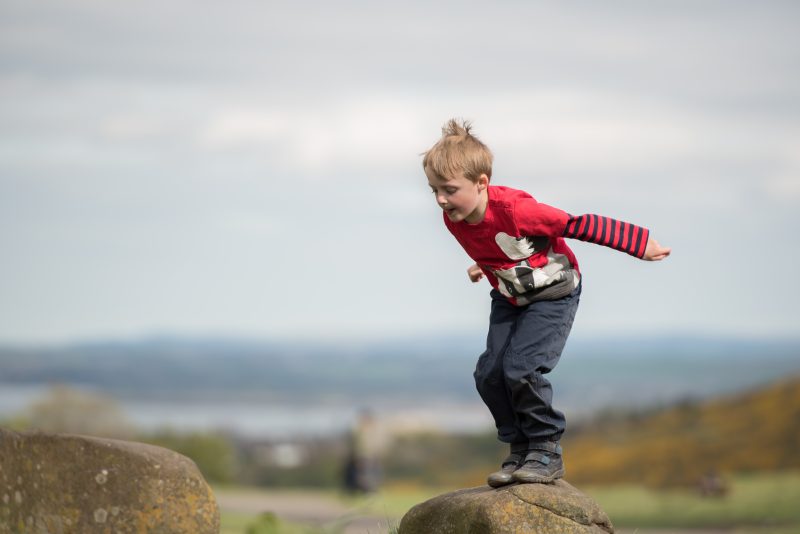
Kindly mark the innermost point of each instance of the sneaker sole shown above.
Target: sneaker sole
(500, 483)
(538, 479)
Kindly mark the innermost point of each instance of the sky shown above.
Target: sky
(252, 168)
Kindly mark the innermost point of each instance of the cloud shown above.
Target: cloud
(174, 143)
(366, 134)
(257, 224)
(243, 127)
(784, 185)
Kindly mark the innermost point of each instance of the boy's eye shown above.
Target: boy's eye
(448, 190)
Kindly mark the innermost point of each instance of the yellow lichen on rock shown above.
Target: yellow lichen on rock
(78, 484)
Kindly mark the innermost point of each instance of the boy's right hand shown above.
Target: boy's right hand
(654, 251)
(475, 273)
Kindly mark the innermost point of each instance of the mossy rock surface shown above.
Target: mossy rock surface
(515, 509)
(60, 484)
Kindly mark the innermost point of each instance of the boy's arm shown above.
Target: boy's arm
(540, 219)
(619, 235)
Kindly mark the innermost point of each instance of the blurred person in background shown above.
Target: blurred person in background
(363, 469)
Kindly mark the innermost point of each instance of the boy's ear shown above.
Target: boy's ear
(483, 182)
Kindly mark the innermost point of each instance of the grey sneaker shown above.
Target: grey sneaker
(542, 464)
(503, 477)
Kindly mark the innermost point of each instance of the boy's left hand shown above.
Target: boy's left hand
(475, 273)
(654, 251)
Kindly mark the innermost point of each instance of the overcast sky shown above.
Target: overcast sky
(252, 168)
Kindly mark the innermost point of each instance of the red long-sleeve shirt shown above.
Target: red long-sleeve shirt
(520, 244)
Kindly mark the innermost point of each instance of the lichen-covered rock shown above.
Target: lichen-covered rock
(62, 484)
(515, 509)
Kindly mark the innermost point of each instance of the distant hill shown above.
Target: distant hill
(180, 368)
(593, 373)
(753, 431)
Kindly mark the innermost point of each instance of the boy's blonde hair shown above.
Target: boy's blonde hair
(458, 150)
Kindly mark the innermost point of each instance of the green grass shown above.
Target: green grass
(763, 503)
(239, 523)
(393, 503)
(753, 501)
(373, 506)
(235, 522)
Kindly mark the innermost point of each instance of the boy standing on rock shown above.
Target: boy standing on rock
(518, 244)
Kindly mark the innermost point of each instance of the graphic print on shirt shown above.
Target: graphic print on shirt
(522, 278)
(520, 248)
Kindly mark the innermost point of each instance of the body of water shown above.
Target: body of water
(269, 420)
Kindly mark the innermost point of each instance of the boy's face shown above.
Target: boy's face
(459, 197)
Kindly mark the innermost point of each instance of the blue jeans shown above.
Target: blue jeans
(524, 344)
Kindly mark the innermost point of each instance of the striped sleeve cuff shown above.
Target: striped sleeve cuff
(619, 235)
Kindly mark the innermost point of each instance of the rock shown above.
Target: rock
(515, 509)
(62, 484)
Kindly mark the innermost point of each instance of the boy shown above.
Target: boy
(518, 245)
